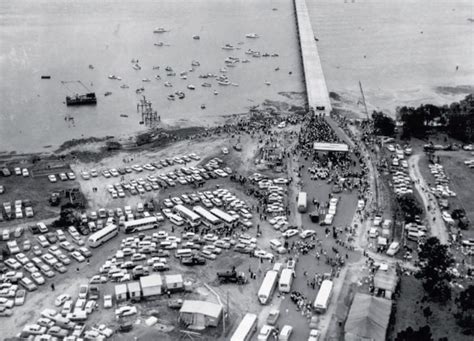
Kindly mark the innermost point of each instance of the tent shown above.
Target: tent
(200, 314)
(386, 281)
(368, 319)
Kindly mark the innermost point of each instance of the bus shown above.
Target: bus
(191, 217)
(302, 202)
(208, 218)
(321, 302)
(286, 279)
(268, 286)
(100, 237)
(246, 328)
(224, 216)
(142, 224)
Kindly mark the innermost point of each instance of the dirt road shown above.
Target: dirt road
(433, 215)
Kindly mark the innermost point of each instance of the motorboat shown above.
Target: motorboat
(140, 90)
(171, 97)
(245, 61)
(183, 73)
(223, 70)
(118, 78)
(249, 51)
(252, 35)
(203, 106)
(275, 55)
(183, 77)
(91, 66)
(123, 115)
(196, 37)
(223, 82)
(136, 66)
(266, 55)
(216, 92)
(108, 93)
(228, 47)
(180, 94)
(168, 84)
(156, 67)
(112, 77)
(158, 77)
(171, 74)
(168, 68)
(195, 63)
(146, 80)
(268, 83)
(256, 54)
(159, 30)
(124, 86)
(206, 85)
(234, 84)
(159, 44)
(191, 87)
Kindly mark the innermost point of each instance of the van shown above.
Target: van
(393, 249)
(275, 244)
(176, 219)
(180, 253)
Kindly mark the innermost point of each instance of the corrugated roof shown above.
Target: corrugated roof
(133, 286)
(120, 289)
(150, 281)
(173, 278)
(201, 307)
(386, 280)
(368, 318)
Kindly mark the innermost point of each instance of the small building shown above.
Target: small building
(174, 282)
(368, 318)
(121, 292)
(200, 314)
(385, 282)
(134, 291)
(152, 285)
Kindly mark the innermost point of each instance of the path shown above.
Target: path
(433, 215)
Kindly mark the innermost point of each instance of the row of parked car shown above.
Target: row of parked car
(20, 210)
(18, 171)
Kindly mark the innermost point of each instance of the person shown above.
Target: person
(52, 286)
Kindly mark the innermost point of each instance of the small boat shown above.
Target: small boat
(146, 80)
(252, 35)
(123, 115)
(266, 55)
(195, 63)
(228, 47)
(139, 90)
(256, 54)
(232, 65)
(158, 77)
(268, 83)
(216, 93)
(112, 77)
(45, 77)
(168, 84)
(118, 78)
(223, 70)
(275, 55)
(234, 84)
(277, 69)
(156, 67)
(136, 66)
(183, 73)
(171, 97)
(180, 94)
(223, 82)
(203, 106)
(124, 86)
(196, 37)
(206, 85)
(159, 43)
(171, 74)
(168, 68)
(249, 51)
(274, 9)
(159, 30)
(108, 93)
(245, 61)
(183, 77)
(91, 66)
(191, 87)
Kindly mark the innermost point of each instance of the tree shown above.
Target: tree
(465, 310)
(435, 261)
(383, 125)
(67, 216)
(409, 206)
(422, 334)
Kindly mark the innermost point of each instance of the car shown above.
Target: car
(71, 176)
(28, 284)
(45, 322)
(263, 254)
(49, 259)
(46, 270)
(22, 258)
(52, 178)
(30, 267)
(63, 176)
(25, 172)
(42, 241)
(61, 299)
(107, 301)
(125, 311)
(208, 254)
(273, 316)
(58, 332)
(78, 256)
(37, 278)
(285, 333)
(7, 302)
(64, 259)
(307, 233)
(59, 267)
(34, 329)
(265, 332)
(290, 233)
(85, 252)
(314, 335)
(67, 246)
(98, 279)
(4, 311)
(12, 264)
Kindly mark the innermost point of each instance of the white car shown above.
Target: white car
(263, 254)
(290, 233)
(314, 335)
(61, 299)
(107, 301)
(265, 332)
(52, 178)
(37, 278)
(125, 311)
(307, 233)
(447, 217)
(225, 151)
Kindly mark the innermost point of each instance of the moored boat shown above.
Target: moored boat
(168, 84)
(159, 30)
(191, 87)
(206, 85)
(252, 35)
(171, 97)
(228, 47)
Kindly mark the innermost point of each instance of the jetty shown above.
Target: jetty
(316, 89)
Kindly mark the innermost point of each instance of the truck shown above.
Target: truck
(231, 276)
(302, 202)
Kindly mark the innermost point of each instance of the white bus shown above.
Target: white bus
(302, 202)
(192, 218)
(246, 328)
(208, 218)
(268, 286)
(100, 237)
(142, 224)
(321, 302)
(224, 216)
(286, 279)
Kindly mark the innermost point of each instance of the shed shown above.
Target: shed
(385, 282)
(200, 314)
(151, 285)
(174, 282)
(382, 241)
(121, 292)
(368, 318)
(134, 290)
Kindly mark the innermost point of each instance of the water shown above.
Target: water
(61, 38)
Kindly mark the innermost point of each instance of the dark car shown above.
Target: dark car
(194, 260)
(84, 230)
(94, 292)
(175, 303)
(34, 229)
(51, 237)
(125, 327)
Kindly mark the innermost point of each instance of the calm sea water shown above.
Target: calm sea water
(61, 39)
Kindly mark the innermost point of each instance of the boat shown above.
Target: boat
(266, 55)
(168, 84)
(268, 83)
(140, 90)
(156, 67)
(245, 61)
(234, 84)
(203, 106)
(232, 64)
(196, 37)
(158, 77)
(216, 92)
(277, 69)
(184, 77)
(206, 85)
(195, 63)
(123, 115)
(45, 77)
(180, 94)
(146, 80)
(171, 97)
(252, 35)
(223, 70)
(118, 78)
(256, 54)
(223, 82)
(86, 99)
(112, 77)
(91, 66)
(108, 93)
(159, 43)
(171, 74)
(183, 73)
(228, 47)
(275, 55)
(249, 51)
(124, 86)
(191, 87)
(159, 30)
(168, 68)
(136, 66)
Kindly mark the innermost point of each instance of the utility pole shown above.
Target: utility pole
(363, 100)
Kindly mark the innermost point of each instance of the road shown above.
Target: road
(433, 215)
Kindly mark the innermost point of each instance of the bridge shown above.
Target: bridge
(316, 89)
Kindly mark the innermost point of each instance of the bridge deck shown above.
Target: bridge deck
(315, 82)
